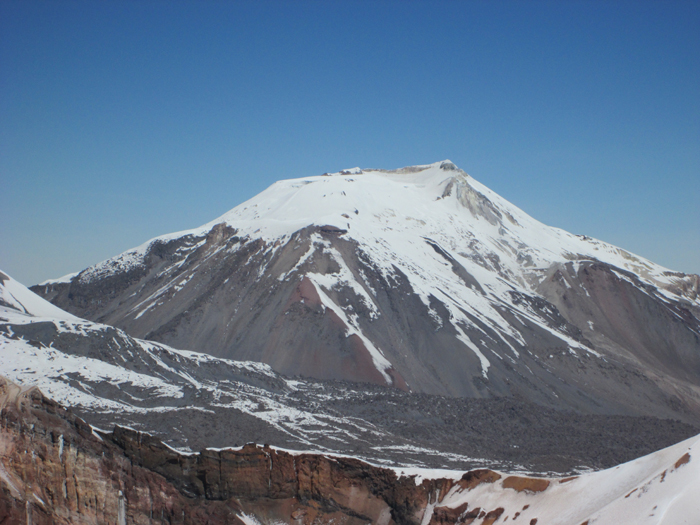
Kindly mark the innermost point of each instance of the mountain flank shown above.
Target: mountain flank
(192, 400)
(421, 279)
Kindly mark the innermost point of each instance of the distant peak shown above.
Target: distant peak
(448, 165)
(445, 165)
(350, 171)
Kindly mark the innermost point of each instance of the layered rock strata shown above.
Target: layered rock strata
(55, 468)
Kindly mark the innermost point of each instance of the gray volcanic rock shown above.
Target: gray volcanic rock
(421, 279)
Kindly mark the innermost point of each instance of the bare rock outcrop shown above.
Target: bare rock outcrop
(55, 468)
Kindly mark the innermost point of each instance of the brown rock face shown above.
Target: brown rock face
(55, 469)
(278, 485)
(447, 515)
(475, 477)
(522, 484)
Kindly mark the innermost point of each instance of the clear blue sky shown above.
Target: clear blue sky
(121, 121)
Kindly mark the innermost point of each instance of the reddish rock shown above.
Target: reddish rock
(475, 477)
(492, 516)
(522, 484)
(57, 469)
(685, 458)
(448, 516)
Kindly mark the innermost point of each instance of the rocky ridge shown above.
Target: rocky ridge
(58, 469)
(55, 468)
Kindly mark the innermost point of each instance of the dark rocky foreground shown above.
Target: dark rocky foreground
(515, 431)
(396, 428)
(56, 469)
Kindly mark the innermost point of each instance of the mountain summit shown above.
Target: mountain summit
(419, 278)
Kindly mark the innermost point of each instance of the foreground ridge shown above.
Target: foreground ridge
(57, 469)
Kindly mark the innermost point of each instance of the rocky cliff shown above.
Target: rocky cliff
(54, 468)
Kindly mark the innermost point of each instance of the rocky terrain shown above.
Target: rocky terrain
(419, 278)
(193, 400)
(55, 468)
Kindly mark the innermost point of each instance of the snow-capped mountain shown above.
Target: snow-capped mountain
(420, 278)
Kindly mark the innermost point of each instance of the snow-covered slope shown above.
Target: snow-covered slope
(401, 207)
(97, 367)
(20, 303)
(661, 488)
(420, 278)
